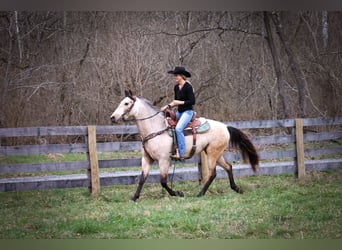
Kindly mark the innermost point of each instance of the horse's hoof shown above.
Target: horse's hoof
(237, 189)
(133, 199)
(179, 194)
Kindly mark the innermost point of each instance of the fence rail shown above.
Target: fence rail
(274, 161)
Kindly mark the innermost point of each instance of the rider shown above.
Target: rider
(184, 100)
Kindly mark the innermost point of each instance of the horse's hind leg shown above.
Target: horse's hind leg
(212, 158)
(229, 169)
(212, 176)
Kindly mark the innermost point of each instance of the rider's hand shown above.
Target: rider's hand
(176, 103)
(164, 108)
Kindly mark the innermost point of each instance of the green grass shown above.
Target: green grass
(42, 158)
(277, 206)
(71, 157)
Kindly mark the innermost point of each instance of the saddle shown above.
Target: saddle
(194, 127)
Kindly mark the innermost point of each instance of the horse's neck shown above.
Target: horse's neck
(150, 125)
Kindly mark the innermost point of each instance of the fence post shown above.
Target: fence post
(203, 168)
(93, 162)
(300, 149)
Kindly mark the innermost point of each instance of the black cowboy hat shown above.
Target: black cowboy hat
(180, 71)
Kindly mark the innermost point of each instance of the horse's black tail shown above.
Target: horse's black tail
(247, 149)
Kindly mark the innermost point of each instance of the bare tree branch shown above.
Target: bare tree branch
(218, 28)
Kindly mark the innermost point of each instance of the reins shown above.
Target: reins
(150, 136)
(137, 119)
(149, 117)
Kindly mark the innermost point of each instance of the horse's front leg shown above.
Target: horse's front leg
(146, 162)
(164, 169)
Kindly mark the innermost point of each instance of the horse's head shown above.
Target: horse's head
(123, 111)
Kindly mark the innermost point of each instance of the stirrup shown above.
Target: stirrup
(177, 158)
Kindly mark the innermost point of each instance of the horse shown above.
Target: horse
(157, 144)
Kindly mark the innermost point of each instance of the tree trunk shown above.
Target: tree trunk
(20, 48)
(325, 25)
(294, 66)
(276, 65)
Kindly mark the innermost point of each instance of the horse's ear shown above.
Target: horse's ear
(128, 93)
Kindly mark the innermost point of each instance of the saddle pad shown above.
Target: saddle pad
(204, 127)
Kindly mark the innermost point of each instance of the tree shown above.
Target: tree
(245, 65)
(294, 65)
(277, 65)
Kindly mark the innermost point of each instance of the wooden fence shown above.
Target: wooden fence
(275, 159)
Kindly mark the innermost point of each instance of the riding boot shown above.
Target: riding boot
(176, 156)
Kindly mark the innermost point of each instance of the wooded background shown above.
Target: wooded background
(71, 68)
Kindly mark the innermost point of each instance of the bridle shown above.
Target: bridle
(136, 119)
(150, 136)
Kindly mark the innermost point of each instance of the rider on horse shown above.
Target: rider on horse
(184, 99)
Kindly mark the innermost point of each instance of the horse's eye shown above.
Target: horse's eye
(126, 103)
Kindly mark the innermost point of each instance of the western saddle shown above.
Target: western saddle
(191, 128)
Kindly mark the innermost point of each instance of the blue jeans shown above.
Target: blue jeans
(183, 119)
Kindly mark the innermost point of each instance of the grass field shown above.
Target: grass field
(277, 206)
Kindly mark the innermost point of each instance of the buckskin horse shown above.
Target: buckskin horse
(157, 143)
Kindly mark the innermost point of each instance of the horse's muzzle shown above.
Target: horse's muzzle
(113, 119)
